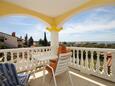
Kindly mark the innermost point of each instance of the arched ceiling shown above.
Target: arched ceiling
(50, 8)
(51, 11)
(7, 8)
(86, 6)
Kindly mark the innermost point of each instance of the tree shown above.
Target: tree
(45, 40)
(65, 43)
(31, 41)
(3, 46)
(26, 40)
(41, 42)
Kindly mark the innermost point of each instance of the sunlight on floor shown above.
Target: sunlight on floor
(88, 79)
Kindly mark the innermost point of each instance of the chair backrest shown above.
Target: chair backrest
(63, 63)
(9, 72)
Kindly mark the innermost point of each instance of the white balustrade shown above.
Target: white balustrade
(87, 60)
(94, 62)
(22, 57)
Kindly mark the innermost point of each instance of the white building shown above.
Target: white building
(11, 40)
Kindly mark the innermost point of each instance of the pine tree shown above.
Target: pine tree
(31, 41)
(45, 40)
(41, 42)
(26, 40)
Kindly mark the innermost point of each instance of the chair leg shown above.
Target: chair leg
(70, 78)
(51, 78)
(54, 78)
(53, 75)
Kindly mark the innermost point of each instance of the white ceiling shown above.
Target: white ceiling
(51, 8)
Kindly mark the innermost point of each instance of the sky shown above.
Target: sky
(92, 25)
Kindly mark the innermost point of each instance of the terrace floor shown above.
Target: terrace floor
(78, 79)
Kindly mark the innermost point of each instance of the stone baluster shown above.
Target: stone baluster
(77, 57)
(12, 57)
(5, 57)
(98, 62)
(92, 61)
(113, 66)
(86, 60)
(74, 56)
(81, 58)
(28, 55)
(23, 54)
(71, 58)
(105, 64)
(18, 55)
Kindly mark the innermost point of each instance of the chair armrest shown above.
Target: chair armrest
(50, 67)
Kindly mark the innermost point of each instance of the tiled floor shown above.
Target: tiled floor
(78, 79)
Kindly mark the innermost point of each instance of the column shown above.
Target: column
(54, 39)
(54, 42)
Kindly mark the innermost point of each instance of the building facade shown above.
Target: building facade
(11, 40)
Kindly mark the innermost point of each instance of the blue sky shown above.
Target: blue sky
(93, 25)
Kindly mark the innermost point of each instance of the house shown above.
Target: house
(11, 40)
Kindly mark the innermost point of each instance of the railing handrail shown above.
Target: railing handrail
(94, 49)
(16, 49)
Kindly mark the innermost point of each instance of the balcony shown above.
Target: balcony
(88, 66)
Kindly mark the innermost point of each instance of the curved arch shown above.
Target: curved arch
(39, 19)
(7, 8)
(89, 5)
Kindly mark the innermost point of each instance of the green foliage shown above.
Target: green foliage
(3, 46)
(41, 42)
(1, 39)
(26, 41)
(31, 41)
(90, 44)
(45, 43)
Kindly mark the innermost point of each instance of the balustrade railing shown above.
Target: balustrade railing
(94, 61)
(22, 57)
